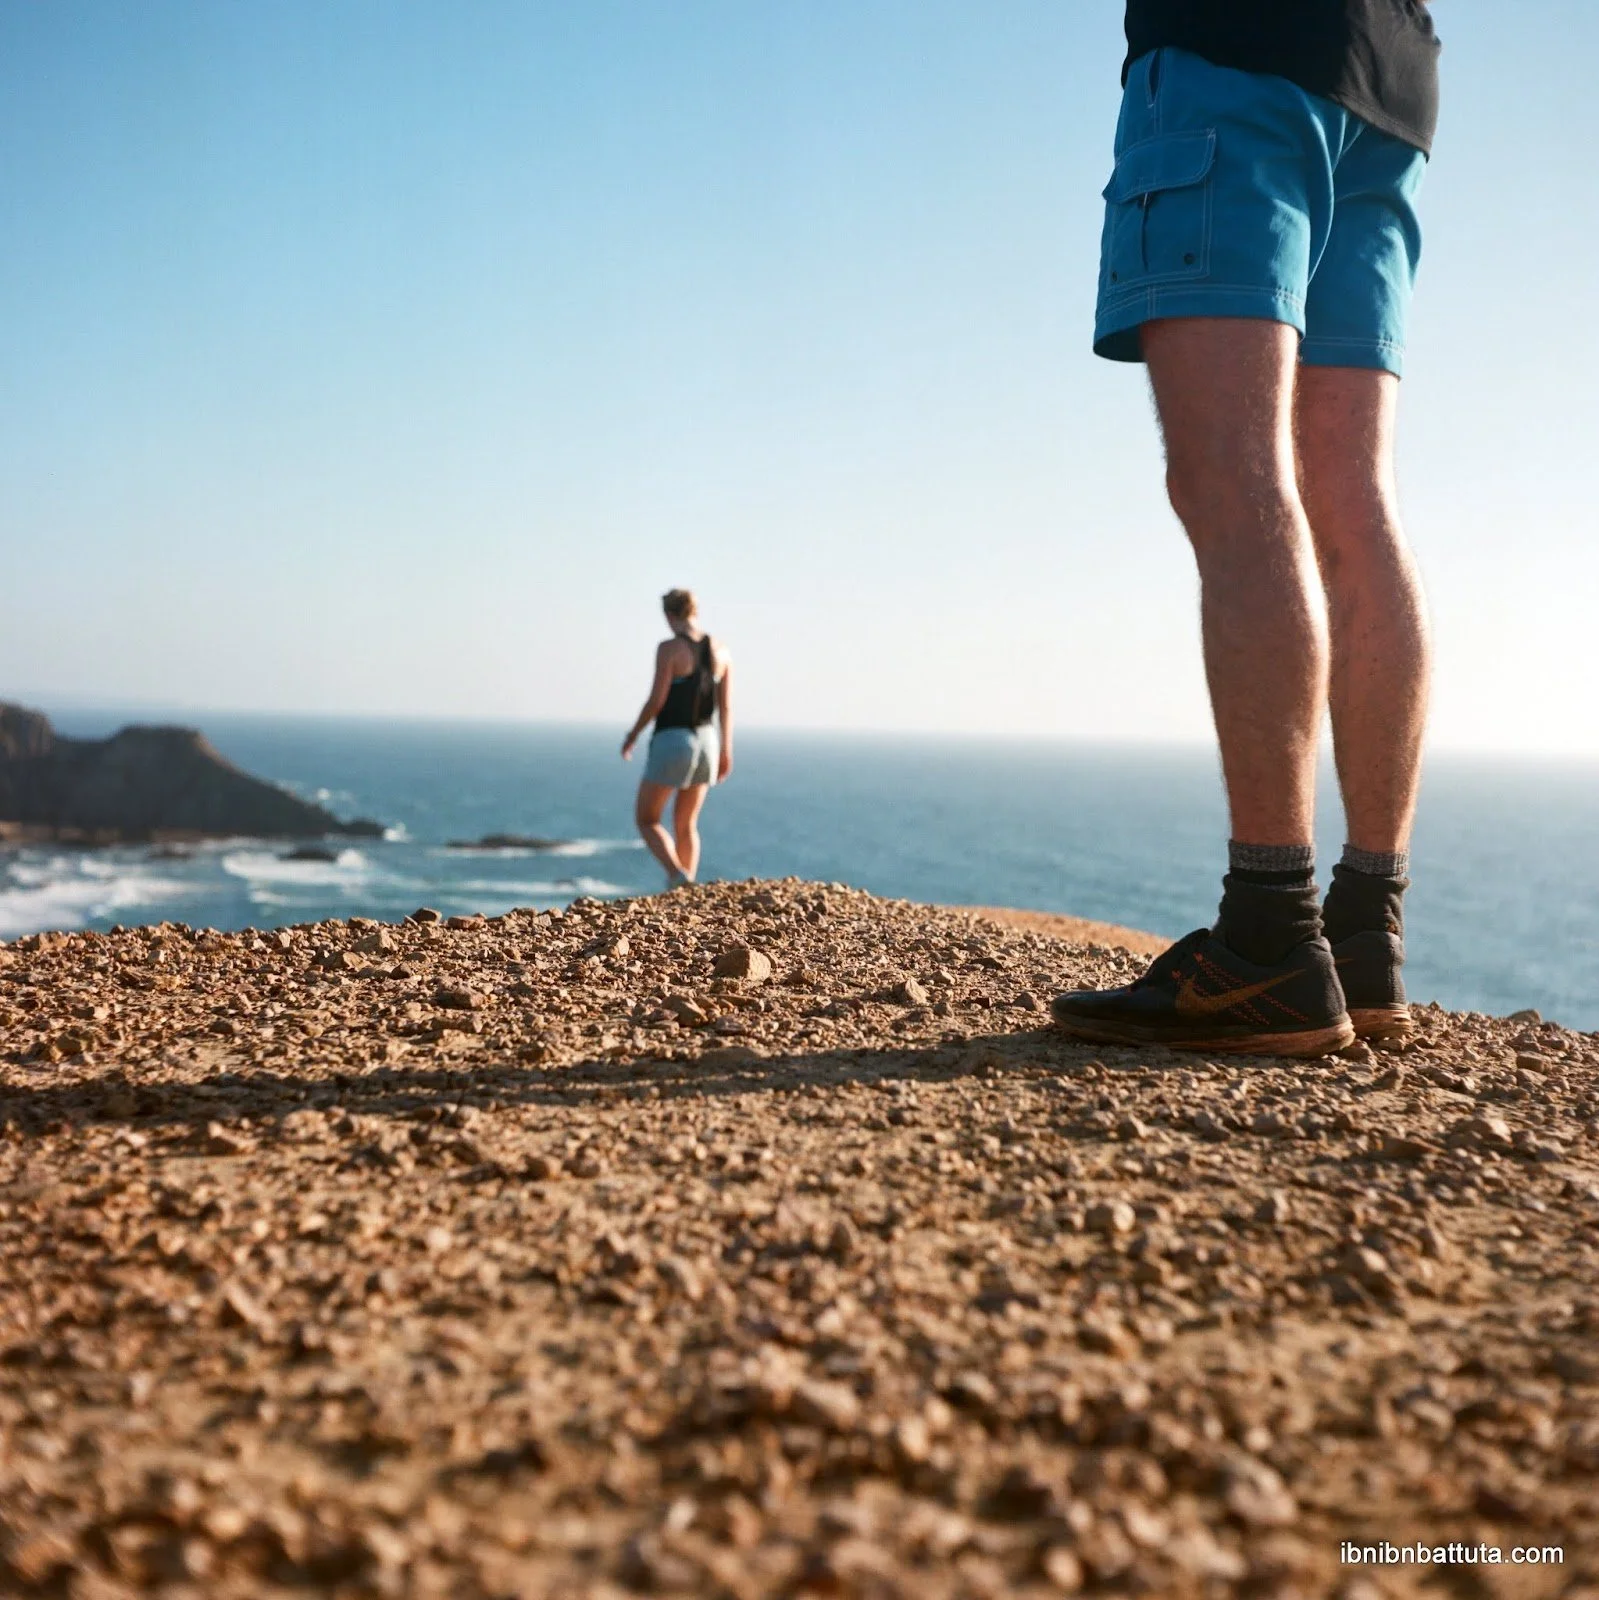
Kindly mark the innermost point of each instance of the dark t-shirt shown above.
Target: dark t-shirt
(1377, 58)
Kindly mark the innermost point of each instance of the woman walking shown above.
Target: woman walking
(692, 691)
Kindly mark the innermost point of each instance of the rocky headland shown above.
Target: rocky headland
(762, 1240)
(141, 783)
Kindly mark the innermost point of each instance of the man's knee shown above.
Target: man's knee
(1355, 526)
(1228, 497)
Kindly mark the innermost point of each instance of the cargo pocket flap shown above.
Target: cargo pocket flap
(1168, 161)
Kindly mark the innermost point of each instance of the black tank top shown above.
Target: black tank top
(691, 701)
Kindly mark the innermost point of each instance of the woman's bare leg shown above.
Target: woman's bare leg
(685, 824)
(651, 807)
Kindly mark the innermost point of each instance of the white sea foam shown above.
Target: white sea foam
(68, 892)
(567, 847)
(540, 889)
(266, 866)
(594, 847)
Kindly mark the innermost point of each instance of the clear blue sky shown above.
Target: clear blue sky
(363, 357)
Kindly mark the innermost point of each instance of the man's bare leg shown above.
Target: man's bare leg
(1344, 419)
(1224, 390)
(1344, 431)
(1262, 981)
(649, 810)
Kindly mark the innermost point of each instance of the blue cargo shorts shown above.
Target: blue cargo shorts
(1236, 194)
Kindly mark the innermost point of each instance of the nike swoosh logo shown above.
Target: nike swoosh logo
(1191, 1003)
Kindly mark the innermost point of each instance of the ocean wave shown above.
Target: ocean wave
(266, 866)
(68, 892)
(543, 889)
(594, 847)
(566, 847)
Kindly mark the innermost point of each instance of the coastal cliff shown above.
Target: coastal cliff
(762, 1239)
(141, 783)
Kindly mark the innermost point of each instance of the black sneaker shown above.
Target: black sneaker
(1368, 969)
(1200, 996)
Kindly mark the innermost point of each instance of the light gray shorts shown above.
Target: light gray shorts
(681, 758)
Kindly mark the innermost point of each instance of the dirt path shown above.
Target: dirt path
(533, 1258)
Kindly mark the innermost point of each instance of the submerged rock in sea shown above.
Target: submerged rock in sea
(141, 783)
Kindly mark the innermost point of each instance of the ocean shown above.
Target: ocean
(1504, 912)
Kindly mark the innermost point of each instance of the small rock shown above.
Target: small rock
(913, 1439)
(680, 1277)
(240, 1308)
(425, 914)
(1369, 1268)
(1131, 1129)
(1274, 1208)
(685, 1010)
(1527, 1015)
(459, 999)
(973, 1390)
(542, 1168)
(843, 1242)
(1485, 1130)
(222, 1141)
(1062, 1569)
(1401, 1147)
(379, 942)
(828, 1405)
(1207, 1127)
(1106, 1336)
(1257, 1496)
(910, 993)
(1110, 1217)
(743, 963)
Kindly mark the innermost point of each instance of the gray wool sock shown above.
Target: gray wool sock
(1378, 863)
(1294, 858)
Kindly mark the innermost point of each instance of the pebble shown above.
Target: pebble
(910, 993)
(744, 963)
(1111, 1217)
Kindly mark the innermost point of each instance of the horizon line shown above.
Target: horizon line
(55, 706)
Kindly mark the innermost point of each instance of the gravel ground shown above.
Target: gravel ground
(761, 1239)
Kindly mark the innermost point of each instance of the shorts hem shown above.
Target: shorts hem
(1116, 328)
(1378, 355)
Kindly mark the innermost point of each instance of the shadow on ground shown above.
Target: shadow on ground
(231, 1093)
